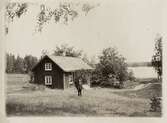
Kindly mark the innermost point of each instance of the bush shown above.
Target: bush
(111, 81)
(155, 104)
(112, 63)
(131, 76)
(111, 70)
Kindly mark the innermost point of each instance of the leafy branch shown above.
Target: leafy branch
(65, 12)
(15, 10)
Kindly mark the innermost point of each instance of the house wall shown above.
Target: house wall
(56, 73)
(87, 77)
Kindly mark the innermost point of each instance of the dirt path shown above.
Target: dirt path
(138, 87)
(141, 86)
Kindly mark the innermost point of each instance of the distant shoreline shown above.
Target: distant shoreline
(140, 64)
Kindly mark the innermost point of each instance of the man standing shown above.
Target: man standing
(80, 87)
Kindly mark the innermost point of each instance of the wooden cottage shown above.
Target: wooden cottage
(58, 71)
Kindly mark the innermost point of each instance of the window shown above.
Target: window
(48, 80)
(48, 66)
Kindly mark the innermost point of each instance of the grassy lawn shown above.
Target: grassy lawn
(150, 91)
(52, 102)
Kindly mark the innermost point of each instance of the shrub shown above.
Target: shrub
(111, 62)
(155, 104)
(97, 76)
(131, 76)
(111, 81)
(111, 70)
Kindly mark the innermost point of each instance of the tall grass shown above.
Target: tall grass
(53, 102)
(95, 102)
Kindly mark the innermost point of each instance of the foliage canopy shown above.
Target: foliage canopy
(64, 12)
(113, 64)
(157, 57)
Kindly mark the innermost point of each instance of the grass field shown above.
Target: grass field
(24, 99)
(150, 91)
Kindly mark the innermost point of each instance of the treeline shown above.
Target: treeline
(18, 64)
(110, 70)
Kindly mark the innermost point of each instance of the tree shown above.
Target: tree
(44, 52)
(29, 62)
(13, 10)
(19, 65)
(157, 57)
(90, 61)
(112, 64)
(65, 50)
(10, 61)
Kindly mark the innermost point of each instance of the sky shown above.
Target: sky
(129, 25)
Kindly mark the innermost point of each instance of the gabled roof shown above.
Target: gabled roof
(69, 64)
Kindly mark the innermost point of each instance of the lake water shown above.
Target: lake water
(143, 72)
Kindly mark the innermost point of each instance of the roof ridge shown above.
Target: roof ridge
(66, 56)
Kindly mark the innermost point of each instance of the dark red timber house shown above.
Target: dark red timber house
(59, 71)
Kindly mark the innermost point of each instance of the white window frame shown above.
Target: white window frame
(48, 80)
(48, 66)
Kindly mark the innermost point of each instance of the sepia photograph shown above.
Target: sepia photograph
(83, 58)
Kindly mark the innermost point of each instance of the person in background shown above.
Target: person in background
(80, 87)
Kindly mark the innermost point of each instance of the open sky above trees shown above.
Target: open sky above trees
(129, 25)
